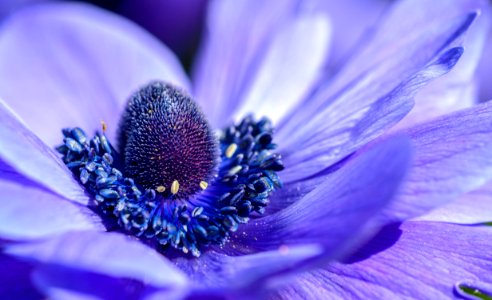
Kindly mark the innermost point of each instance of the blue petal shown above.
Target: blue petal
(91, 263)
(15, 279)
(218, 275)
(457, 89)
(369, 96)
(25, 153)
(286, 74)
(485, 71)
(243, 60)
(353, 22)
(336, 214)
(63, 283)
(419, 260)
(32, 212)
(71, 64)
(453, 156)
(471, 208)
(109, 254)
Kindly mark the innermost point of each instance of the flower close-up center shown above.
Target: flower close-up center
(172, 181)
(166, 141)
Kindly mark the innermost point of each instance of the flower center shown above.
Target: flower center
(176, 186)
(166, 142)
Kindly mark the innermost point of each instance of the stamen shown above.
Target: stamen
(104, 126)
(175, 187)
(203, 185)
(231, 150)
(245, 178)
(234, 170)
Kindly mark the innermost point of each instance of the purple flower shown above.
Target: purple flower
(350, 177)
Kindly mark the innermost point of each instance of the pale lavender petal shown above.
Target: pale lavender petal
(31, 213)
(453, 156)
(27, 154)
(405, 23)
(457, 89)
(237, 32)
(336, 214)
(353, 21)
(7, 173)
(485, 70)
(419, 260)
(109, 254)
(471, 208)
(359, 106)
(68, 64)
(292, 64)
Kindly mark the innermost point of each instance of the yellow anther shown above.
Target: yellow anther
(231, 150)
(175, 187)
(160, 189)
(104, 126)
(203, 185)
(234, 170)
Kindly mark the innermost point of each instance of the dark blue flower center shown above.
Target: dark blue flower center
(175, 185)
(166, 142)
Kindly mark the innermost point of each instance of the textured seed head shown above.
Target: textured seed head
(165, 138)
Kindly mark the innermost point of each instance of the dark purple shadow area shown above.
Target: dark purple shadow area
(177, 23)
(386, 238)
(88, 283)
(15, 279)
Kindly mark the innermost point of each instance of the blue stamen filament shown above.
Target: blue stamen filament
(245, 179)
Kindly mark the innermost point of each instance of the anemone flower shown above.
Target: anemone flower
(185, 191)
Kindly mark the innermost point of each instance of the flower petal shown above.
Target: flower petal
(352, 21)
(291, 66)
(30, 212)
(425, 262)
(110, 254)
(453, 156)
(471, 208)
(24, 152)
(58, 282)
(236, 36)
(363, 102)
(68, 64)
(485, 71)
(336, 212)
(15, 281)
(218, 275)
(457, 89)
(69, 263)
